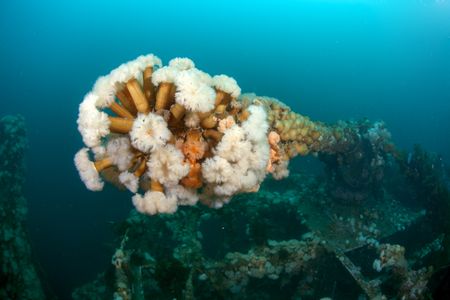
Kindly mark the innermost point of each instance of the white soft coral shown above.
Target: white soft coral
(92, 123)
(241, 157)
(181, 63)
(184, 196)
(193, 93)
(191, 120)
(105, 90)
(256, 126)
(88, 172)
(166, 165)
(281, 170)
(233, 145)
(106, 87)
(165, 74)
(149, 132)
(119, 151)
(227, 84)
(217, 170)
(130, 181)
(154, 202)
(133, 69)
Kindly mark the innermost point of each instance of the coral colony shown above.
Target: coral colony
(174, 136)
(180, 135)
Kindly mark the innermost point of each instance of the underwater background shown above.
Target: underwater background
(330, 60)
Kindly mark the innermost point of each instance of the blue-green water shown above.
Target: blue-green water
(330, 60)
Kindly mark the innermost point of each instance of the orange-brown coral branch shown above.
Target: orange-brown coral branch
(149, 88)
(103, 164)
(193, 179)
(120, 125)
(213, 134)
(163, 95)
(244, 115)
(141, 168)
(120, 110)
(209, 122)
(155, 186)
(141, 103)
(125, 98)
(222, 97)
(177, 111)
(194, 147)
(220, 109)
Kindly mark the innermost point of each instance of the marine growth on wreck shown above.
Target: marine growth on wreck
(19, 278)
(180, 135)
(174, 135)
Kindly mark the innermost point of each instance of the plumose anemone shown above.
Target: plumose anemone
(174, 135)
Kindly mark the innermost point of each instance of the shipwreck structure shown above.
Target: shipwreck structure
(374, 225)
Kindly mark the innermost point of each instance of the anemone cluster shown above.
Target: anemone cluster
(409, 283)
(174, 135)
(173, 132)
(272, 261)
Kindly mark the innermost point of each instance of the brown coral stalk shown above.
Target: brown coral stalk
(220, 109)
(209, 122)
(103, 164)
(155, 186)
(120, 125)
(141, 168)
(244, 115)
(149, 88)
(204, 115)
(177, 111)
(125, 98)
(120, 110)
(193, 179)
(213, 134)
(138, 96)
(219, 97)
(163, 95)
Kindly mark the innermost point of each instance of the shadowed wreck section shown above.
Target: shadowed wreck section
(18, 276)
(288, 241)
